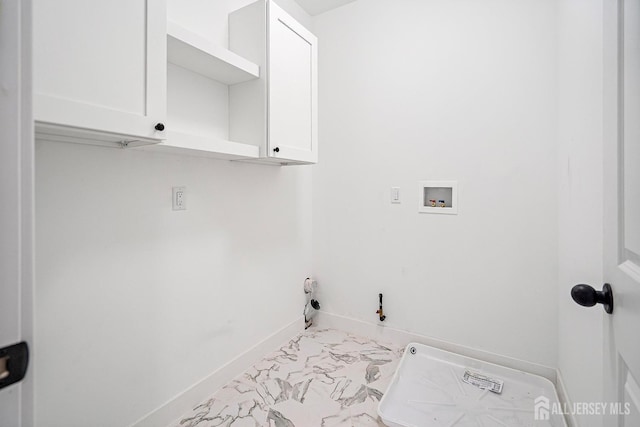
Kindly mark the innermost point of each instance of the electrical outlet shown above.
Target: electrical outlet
(179, 198)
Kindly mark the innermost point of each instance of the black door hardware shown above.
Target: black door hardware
(14, 360)
(587, 296)
(160, 127)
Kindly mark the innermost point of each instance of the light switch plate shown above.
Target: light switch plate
(395, 194)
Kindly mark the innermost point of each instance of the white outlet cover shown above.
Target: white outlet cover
(179, 198)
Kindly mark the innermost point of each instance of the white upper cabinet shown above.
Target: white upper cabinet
(277, 112)
(100, 69)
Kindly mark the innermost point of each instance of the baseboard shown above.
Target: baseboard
(399, 337)
(565, 401)
(185, 401)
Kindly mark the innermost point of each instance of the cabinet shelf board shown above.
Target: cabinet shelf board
(202, 146)
(193, 52)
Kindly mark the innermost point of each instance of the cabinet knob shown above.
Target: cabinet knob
(160, 127)
(277, 149)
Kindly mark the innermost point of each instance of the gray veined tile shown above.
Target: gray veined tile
(284, 355)
(347, 358)
(320, 378)
(379, 356)
(276, 419)
(261, 371)
(349, 393)
(300, 390)
(372, 373)
(234, 390)
(327, 373)
(366, 420)
(245, 413)
(342, 419)
(274, 391)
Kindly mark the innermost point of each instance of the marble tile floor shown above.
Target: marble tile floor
(321, 378)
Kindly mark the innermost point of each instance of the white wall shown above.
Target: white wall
(457, 90)
(135, 302)
(580, 173)
(205, 16)
(134, 296)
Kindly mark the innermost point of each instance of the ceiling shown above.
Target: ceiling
(316, 7)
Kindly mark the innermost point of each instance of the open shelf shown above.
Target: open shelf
(195, 145)
(193, 52)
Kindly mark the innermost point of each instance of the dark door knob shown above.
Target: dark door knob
(586, 296)
(277, 149)
(160, 127)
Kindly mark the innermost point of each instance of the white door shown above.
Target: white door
(16, 209)
(622, 210)
(293, 89)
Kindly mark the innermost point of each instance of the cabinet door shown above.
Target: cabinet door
(293, 89)
(101, 65)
